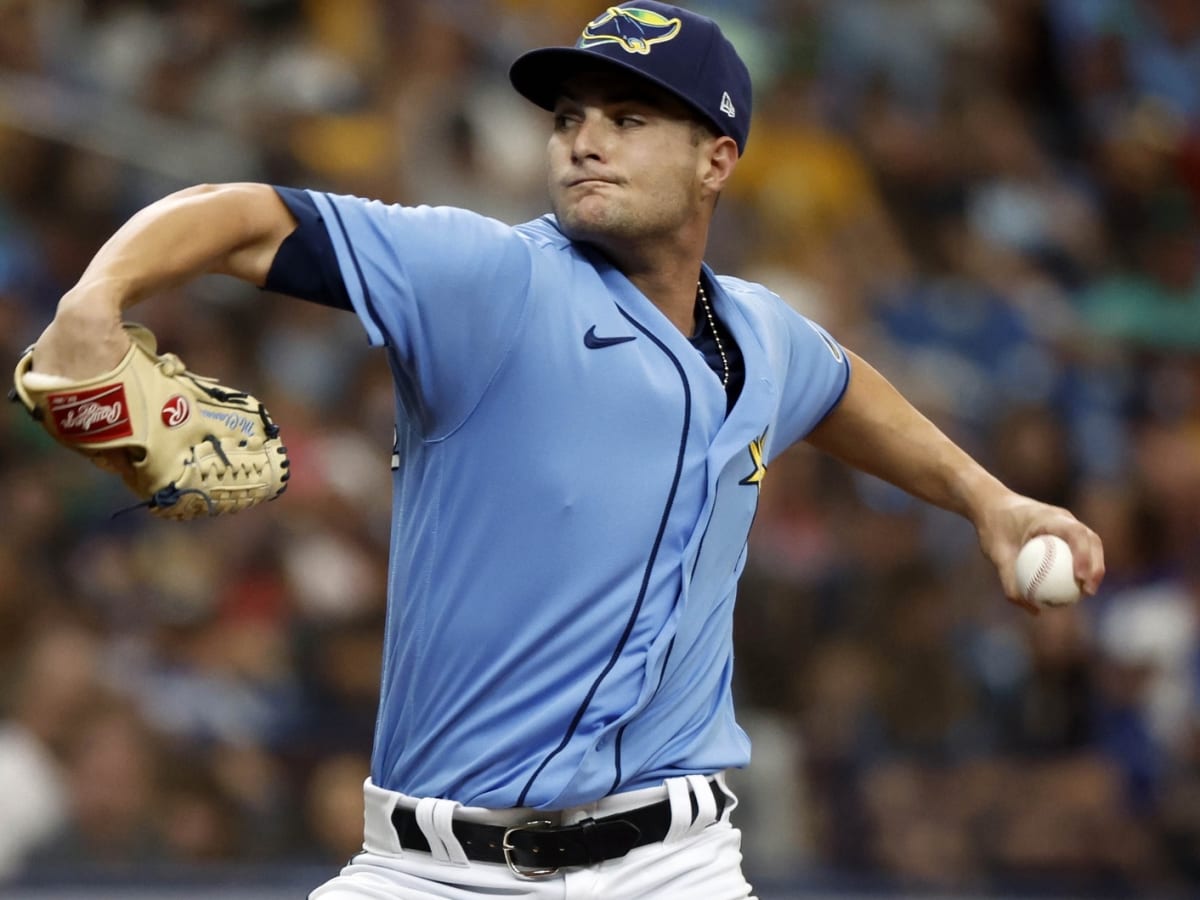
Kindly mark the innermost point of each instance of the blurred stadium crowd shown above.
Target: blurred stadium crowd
(996, 202)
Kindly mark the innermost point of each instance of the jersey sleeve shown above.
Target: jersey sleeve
(818, 372)
(444, 289)
(305, 265)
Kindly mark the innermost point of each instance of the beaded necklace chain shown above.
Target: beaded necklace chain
(712, 323)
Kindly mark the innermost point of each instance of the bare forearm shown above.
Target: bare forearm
(229, 229)
(877, 431)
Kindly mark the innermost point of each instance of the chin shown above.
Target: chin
(581, 228)
(594, 225)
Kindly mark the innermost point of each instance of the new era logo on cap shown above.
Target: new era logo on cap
(680, 51)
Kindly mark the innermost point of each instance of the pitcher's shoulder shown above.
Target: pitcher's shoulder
(544, 232)
(751, 295)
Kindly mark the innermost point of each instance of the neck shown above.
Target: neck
(667, 278)
(674, 295)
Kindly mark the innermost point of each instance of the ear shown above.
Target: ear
(718, 163)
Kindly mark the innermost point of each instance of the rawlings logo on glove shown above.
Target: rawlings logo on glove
(184, 444)
(77, 412)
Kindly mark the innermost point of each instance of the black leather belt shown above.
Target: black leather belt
(535, 849)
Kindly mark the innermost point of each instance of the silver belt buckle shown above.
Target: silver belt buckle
(508, 848)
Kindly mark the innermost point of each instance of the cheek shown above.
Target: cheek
(558, 156)
(671, 187)
(554, 188)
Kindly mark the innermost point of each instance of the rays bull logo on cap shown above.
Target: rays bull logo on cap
(636, 30)
(680, 51)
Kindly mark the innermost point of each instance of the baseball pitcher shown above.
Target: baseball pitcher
(585, 415)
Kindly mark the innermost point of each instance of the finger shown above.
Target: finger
(1087, 552)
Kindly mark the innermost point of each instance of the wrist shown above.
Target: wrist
(982, 494)
(97, 299)
(86, 336)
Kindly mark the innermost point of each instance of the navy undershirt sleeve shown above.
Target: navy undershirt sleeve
(306, 265)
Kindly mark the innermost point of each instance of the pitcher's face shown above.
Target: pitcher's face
(625, 162)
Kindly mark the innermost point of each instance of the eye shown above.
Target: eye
(629, 121)
(564, 120)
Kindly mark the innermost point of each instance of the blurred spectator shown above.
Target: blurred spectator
(1156, 305)
(53, 686)
(114, 767)
(333, 807)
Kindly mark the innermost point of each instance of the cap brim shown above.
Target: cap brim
(539, 75)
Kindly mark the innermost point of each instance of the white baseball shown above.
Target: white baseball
(1046, 571)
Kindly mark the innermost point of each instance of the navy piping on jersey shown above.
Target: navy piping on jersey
(837, 400)
(305, 265)
(700, 550)
(670, 647)
(708, 524)
(362, 281)
(662, 674)
(404, 388)
(662, 527)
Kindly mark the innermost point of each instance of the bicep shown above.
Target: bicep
(259, 222)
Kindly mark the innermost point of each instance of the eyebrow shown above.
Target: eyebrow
(656, 101)
(612, 97)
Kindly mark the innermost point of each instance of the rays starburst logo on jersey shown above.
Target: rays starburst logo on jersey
(756, 457)
(636, 30)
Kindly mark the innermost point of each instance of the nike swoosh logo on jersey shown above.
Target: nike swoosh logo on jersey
(593, 342)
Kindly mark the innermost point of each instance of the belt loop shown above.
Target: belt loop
(706, 803)
(731, 800)
(436, 820)
(379, 834)
(681, 809)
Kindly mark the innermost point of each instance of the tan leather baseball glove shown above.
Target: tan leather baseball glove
(184, 444)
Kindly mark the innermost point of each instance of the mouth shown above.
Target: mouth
(588, 181)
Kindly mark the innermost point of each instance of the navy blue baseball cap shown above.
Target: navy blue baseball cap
(680, 51)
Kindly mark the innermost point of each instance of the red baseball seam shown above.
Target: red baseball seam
(1044, 569)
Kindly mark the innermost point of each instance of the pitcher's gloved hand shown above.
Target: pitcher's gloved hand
(184, 444)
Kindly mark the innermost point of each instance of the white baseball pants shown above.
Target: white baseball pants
(700, 858)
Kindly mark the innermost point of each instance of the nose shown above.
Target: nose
(587, 141)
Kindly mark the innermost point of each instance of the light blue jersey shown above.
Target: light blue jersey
(571, 506)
